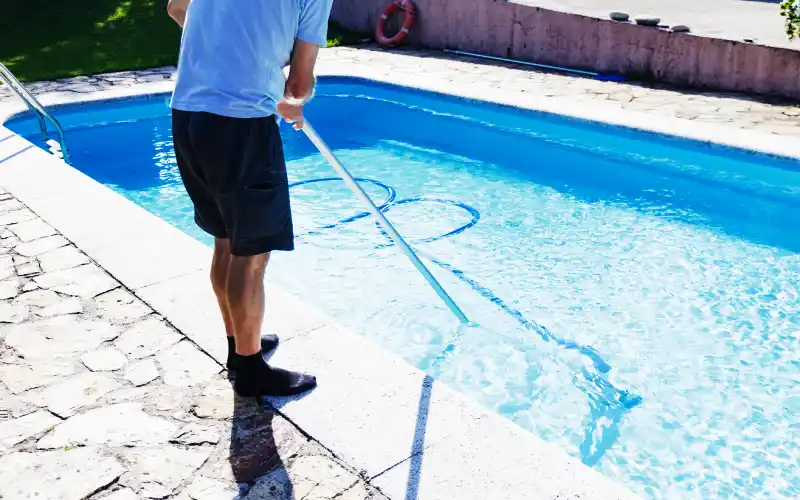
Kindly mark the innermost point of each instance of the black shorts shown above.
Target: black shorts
(235, 174)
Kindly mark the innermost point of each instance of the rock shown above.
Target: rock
(194, 434)
(6, 267)
(184, 365)
(123, 494)
(13, 407)
(67, 397)
(57, 475)
(309, 477)
(647, 20)
(619, 16)
(9, 289)
(67, 306)
(128, 394)
(22, 215)
(13, 313)
(217, 401)
(170, 399)
(32, 230)
(142, 373)
(62, 258)
(204, 488)
(85, 281)
(258, 442)
(123, 424)
(120, 306)
(59, 337)
(39, 298)
(41, 246)
(10, 205)
(34, 373)
(19, 260)
(8, 244)
(681, 29)
(29, 268)
(147, 338)
(13, 432)
(106, 359)
(156, 473)
(361, 491)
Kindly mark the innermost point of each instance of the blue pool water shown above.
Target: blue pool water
(638, 297)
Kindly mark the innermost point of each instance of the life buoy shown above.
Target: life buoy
(393, 8)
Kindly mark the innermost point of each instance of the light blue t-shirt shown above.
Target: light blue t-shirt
(233, 53)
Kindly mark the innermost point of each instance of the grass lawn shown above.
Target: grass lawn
(45, 39)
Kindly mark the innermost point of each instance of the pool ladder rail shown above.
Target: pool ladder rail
(57, 147)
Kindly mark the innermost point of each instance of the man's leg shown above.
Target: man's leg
(219, 279)
(245, 299)
(220, 265)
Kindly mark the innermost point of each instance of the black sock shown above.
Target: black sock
(231, 353)
(268, 344)
(257, 378)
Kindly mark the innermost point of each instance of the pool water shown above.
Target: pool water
(637, 297)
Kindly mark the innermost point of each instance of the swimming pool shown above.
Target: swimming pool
(637, 296)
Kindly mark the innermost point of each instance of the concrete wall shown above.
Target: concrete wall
(501, 28)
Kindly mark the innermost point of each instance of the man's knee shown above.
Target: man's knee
(243, 268)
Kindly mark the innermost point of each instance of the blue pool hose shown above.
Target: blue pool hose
(599, 76)
(387, 226)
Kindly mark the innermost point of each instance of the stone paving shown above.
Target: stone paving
(101, 398)
(768, 115)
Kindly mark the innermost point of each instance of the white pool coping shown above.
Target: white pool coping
(367, 406)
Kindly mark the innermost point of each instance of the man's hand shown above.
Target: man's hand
(292, 113)
(177, 10)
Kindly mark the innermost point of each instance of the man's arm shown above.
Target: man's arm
(301, 81)
(177, 10)
(311, 35)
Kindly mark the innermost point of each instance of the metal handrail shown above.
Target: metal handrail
(36, 107)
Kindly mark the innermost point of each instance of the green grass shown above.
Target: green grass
(45, 39)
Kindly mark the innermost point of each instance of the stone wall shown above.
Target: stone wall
(501, 28)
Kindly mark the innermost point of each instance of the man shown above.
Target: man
(229, 92)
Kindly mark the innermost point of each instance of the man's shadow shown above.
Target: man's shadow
(253, 454)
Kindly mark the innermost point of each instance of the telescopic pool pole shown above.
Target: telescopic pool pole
(365, 199)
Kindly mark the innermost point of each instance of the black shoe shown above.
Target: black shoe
(268, 344)
(257, 378)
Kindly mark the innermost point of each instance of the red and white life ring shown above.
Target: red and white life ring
(393, 8)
